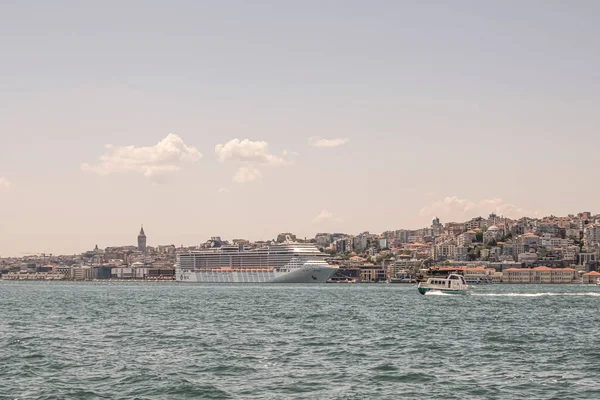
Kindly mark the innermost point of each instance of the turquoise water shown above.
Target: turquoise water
(174, 341)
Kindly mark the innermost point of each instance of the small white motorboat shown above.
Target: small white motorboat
(453, 284)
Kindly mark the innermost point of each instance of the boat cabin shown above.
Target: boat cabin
(452, 281)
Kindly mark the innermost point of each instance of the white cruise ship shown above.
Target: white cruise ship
(277, 263)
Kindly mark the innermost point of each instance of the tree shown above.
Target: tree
(384, 257)
(506, 238)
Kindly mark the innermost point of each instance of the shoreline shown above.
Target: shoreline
(243, 283)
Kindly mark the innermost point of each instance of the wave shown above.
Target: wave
(593, 294)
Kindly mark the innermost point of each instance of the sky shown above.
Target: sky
(245, 119)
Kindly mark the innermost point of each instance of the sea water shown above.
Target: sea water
(63, 340)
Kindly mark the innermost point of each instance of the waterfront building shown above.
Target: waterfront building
(64, 270)
(82, 273)
(539, 275)
(34, 276)
(373, 274)
(479, 273)
(516, 275)
(138, 270)
(497, 277)
(122, 273)
(590, 277)
(161, 274)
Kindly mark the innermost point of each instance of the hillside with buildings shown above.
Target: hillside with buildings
(493, 249)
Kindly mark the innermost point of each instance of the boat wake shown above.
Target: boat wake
(437, 293)
(593, 294)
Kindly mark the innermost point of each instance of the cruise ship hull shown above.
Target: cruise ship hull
(304, 274)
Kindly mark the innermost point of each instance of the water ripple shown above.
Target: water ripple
(173, 341)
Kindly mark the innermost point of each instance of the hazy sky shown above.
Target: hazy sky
(244, 119)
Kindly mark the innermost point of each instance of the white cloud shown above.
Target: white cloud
(246, 174)
(316, 141)
(247, 151)
(452, 208)
(326, 215)
(251, 154)
(222, 190)
(4, 184)
(151, 161)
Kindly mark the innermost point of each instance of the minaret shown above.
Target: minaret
(142, 241)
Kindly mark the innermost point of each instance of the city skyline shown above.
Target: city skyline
(140, 243)
(554, 249)
(245, 120)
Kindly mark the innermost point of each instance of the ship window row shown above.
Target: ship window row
(192, 261)
(218, 256)
(261, 252)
